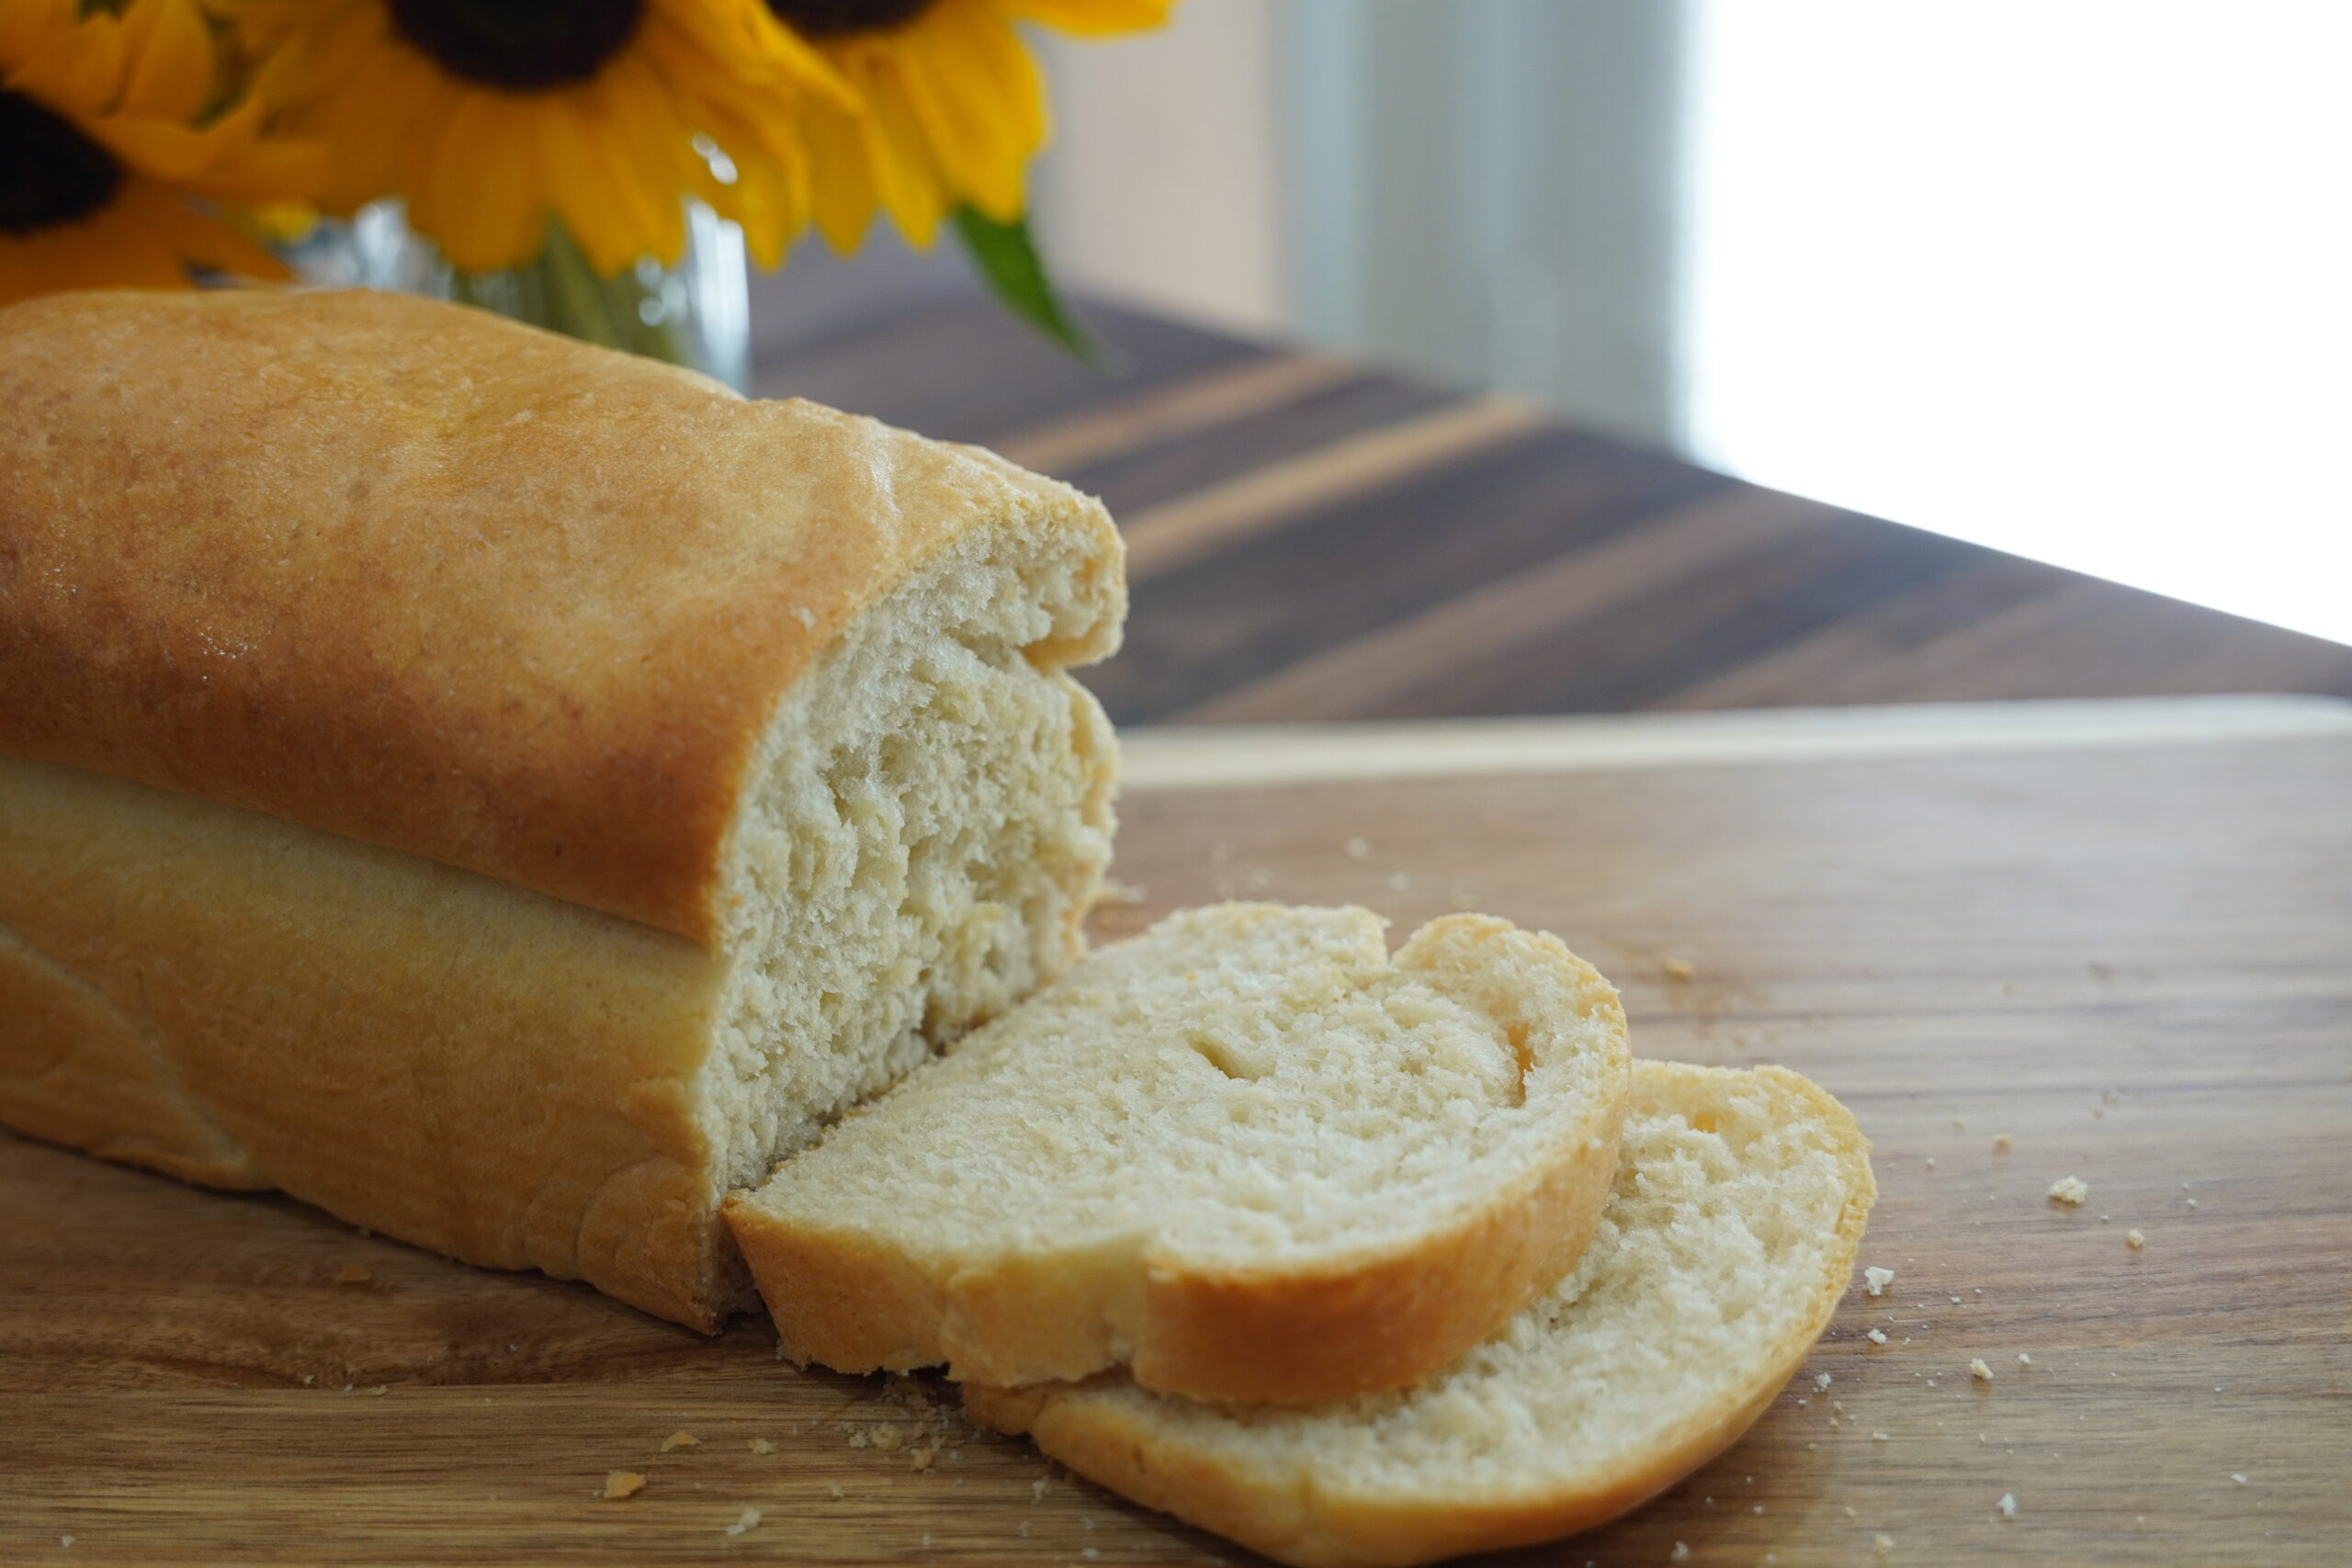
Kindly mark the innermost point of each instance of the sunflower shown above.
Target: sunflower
(490, 116)
(952, 106)
(109, 161)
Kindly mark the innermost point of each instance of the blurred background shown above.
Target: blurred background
(2065, 280)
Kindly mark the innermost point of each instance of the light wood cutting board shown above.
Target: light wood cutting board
(2119, 936)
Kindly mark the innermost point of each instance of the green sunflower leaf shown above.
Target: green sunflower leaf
(1009, 262)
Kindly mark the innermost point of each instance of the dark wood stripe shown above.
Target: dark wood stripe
(1333, 574)
(969, 373)
(1155, 473)
(1642, 651)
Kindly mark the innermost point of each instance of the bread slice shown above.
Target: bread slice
(1246, 1153)
(506, 792)
(1725, 1248)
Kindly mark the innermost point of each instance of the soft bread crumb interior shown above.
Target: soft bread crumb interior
(1249, 1085)
(929, 822)
(1720, 1232)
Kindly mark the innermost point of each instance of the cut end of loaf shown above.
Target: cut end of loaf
(929, 823)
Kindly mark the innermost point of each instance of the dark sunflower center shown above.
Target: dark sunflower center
(49, 172)
(523, 46)
(838, 18)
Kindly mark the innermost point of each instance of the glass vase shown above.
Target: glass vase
(697, 314)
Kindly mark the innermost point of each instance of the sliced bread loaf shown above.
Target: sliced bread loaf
(1247, 1153)
(1725, 1248)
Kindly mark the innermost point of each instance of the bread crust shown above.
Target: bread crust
(464, 1064)
(1379, 1319)
(1319, 1527)
(429, 579)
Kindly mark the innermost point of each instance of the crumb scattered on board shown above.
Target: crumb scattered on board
(1882, 1546)
(761, 1446)
(2000, 1142)
(2070, 1189)
(2007, 1504)
(1359, 849)
(1979, 1370)
(353, 1274)
(1876, 1280)
(2134, 1240)
(679, 1440)
(1681, 969)
(745, 1522)
(623, 1484)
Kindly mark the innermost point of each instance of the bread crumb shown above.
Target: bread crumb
(353, 1274)
(1882, 1546)
(1399, 882)
(1359, 849)
(2007, 1504)
(745, 1522)
(1876, 1337)
(1880, 1438)
(761, 1446)
(1117, 892)
(1681, 969)
(1960, 1125)
(2000, 1142)
(623, 1484)
(2134, 1240)
(2190, 1201)
(921, 1459)
(2236, 1477)
(835, 1492)
(1038, 1489)
(1876, 1280)
(1680, 1553)
(1979, 1370)
(1821, 1382)
(64, 1541)
(2024, 1359)
(679, 1440)
(2070, 1189)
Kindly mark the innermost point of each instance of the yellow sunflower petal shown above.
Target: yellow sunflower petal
(465, 202)
(171, 60)
(1094, 18)
(76, 74)
(966, 95)
(30, 27)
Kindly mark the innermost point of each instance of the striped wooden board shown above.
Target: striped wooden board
(1314, 540)
(2118, 934)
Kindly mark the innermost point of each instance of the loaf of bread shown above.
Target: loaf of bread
(1725, 1248)
(504, 792)
(1247, 1155)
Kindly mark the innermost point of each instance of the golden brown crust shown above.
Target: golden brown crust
(464, 1064)
(1318, 1526)
(849, 1300)
(429, 579)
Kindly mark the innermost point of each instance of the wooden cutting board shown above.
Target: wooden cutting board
(2107, 942)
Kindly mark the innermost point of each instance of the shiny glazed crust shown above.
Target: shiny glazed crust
(1124, 1450)
(420, 576)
